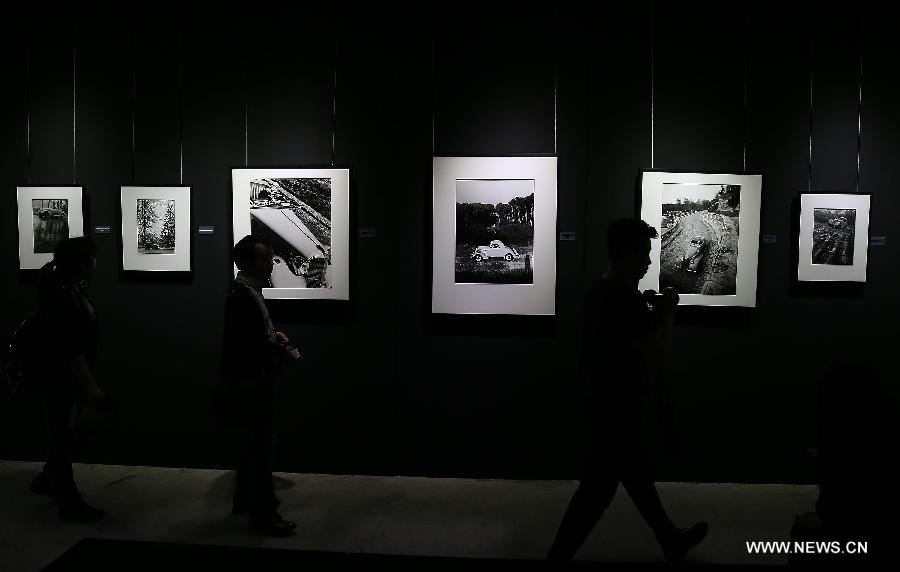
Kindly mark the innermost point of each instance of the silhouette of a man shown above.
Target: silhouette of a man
(252, 351)
(625, 332)
(69, 343)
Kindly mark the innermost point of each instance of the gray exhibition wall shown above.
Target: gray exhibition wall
(384, 388)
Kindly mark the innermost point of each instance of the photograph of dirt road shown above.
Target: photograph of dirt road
(699, 238)
(833, 236)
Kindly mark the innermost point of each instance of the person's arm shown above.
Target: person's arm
(246, 349)
(78, 366)
(63, 328)
(657, 347)
(654, 344)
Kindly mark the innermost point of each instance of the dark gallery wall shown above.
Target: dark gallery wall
(162, 92)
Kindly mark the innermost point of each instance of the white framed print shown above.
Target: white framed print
(156, 229)
(708, 244)
(834, 237)
(47, 215)
(305, 214)
(494, 235)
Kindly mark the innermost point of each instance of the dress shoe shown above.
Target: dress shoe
(80, 511)
(291, 524)
(273, 527)
(40, 485)
(676, 543)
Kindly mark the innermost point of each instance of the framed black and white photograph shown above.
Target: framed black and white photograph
(156, 229)
(47, 215)
(305, 214)
(494, 231)
(834, 237)
(708, 243)
(494, 243)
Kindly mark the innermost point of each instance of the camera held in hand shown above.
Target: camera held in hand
(667, 300)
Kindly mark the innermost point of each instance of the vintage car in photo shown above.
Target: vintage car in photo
(51, 213)
(496, 249)
(838, 222)
(693, 256)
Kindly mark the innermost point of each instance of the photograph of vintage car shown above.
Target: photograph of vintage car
(496, 249)
(699, 238)
(50, 223)
(295, 215)
(155, 226)
(833, 236)
(693, 256)
(494, 231)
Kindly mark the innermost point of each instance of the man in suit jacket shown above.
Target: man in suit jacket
(251, 354)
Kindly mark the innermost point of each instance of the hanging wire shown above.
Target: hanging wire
(652, 85)
(335, 86)
(859, 105)
(180, 95)
(28, 109)
(433, 86)
(133, 90)
(555, 107)
(746, 89)
(812, 62)
(74, 104)
(556, 81)
(246, 111)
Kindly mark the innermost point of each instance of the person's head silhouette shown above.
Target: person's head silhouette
(74, 259)
(628, 247)
(254, 257)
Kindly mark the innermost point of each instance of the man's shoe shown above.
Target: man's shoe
(239, 507)
(80, 511)
(292, 525)
(40, 485)
(273, 527)
(676, 544)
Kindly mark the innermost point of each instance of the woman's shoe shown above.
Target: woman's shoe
(80, 511)
(676, 544)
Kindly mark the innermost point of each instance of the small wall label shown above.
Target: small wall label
(102, 229)
(367, 233)
(769, 239)
(567, 236)
(876, 241)
(206, 230)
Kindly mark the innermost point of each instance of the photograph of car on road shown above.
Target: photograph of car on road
(50, 222)
(833, 236)
(494, 231)
(304, 212)
(699, 238)
(295, 215)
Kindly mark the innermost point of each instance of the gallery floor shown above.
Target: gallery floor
(385, 515)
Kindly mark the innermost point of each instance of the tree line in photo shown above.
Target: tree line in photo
(511, 222)
(728, 198)
(147, 217)
(314, 192)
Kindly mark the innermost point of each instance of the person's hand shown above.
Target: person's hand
(91, 409)
(282, 339)
(672, 295)
(93, 395)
